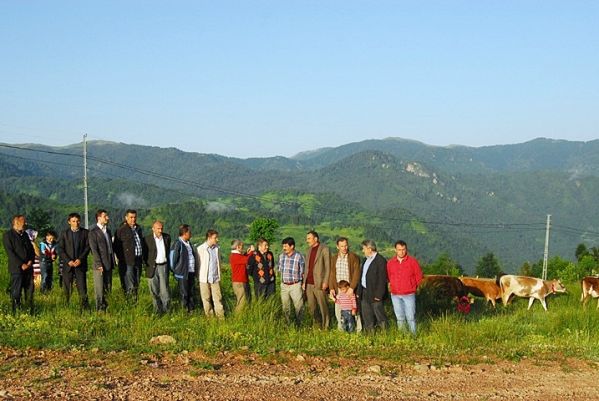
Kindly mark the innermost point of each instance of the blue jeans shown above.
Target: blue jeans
(404, 307)
(348, 321)
(47, 271)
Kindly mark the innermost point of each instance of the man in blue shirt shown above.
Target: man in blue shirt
(291, 266)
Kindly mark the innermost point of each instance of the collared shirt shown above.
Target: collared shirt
(342, 267)
(213, 276)
(192, 260)
(291, 267)
(108, 239)
(160, 252)
(138, 249)
(367, 263)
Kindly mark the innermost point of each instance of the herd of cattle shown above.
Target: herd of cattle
(506, 286)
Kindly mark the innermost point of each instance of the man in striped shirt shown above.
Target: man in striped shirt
(291, 266)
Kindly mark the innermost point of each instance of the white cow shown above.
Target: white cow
(528, 287)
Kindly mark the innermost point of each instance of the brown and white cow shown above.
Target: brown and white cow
(483, 287)
(528, 287)
(590, 288)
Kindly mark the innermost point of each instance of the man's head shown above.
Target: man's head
(262, 245)
(288, 245)
(236, 245)
(212, 237)
(342, 245)
(185, 232)
(131, 217)
(401, 249)
(19, 222)
(102, 217)
(312, 238)
(157, 228)
(368, 247)
(74, 221)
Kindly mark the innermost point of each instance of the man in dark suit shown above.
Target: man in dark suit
(129, 248)
(73, 249)
(372, 289)
(185, 264)
(21, 255)
(158, 245)
(100, 244)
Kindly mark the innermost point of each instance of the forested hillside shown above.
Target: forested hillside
(459, 200)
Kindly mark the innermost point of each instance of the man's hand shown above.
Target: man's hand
(24, 266)
(76, 263)
(332, 292)
(325, 286)
(100, 269)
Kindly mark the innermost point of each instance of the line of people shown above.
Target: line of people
(357, 287)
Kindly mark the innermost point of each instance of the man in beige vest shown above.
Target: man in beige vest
(316, 278)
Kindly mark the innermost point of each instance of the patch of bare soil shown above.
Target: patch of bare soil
(89, 375)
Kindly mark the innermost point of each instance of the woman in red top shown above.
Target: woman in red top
(404, 276)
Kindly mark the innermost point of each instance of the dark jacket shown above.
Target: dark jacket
(376, 280)
(124, 244)
(70, 252)
(100, 249)
(19, 251)
(152, 252)
(179, 259)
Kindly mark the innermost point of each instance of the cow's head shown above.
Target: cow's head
(557, 286)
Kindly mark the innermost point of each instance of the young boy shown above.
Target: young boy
(349, 308)
(48, 254)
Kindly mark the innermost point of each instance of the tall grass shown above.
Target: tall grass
(509, 332)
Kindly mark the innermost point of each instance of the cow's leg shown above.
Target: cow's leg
(597, 303)
(492, 301)
(543, 303)
(505, 297)
(530, 301)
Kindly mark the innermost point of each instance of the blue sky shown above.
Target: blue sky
(263, 78)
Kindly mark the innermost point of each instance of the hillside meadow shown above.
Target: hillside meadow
(566, 330)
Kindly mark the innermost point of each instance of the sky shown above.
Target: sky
(265, 78)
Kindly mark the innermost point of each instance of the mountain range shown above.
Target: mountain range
(461, 200)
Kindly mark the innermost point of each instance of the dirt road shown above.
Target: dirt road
(85, 375)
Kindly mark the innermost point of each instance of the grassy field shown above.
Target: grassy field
(506, 333)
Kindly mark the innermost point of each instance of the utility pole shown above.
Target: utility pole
(86, 210)
(546, 253)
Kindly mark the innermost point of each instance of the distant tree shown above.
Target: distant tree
(570, 272)
(581, 251)
(444, 265)
(263, 227)
(488, 266)
(588, 265)
(525, 269)
(39, 220)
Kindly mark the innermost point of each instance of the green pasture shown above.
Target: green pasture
(566, 330)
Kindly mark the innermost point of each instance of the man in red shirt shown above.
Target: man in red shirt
(239, 275)
(404, 276)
